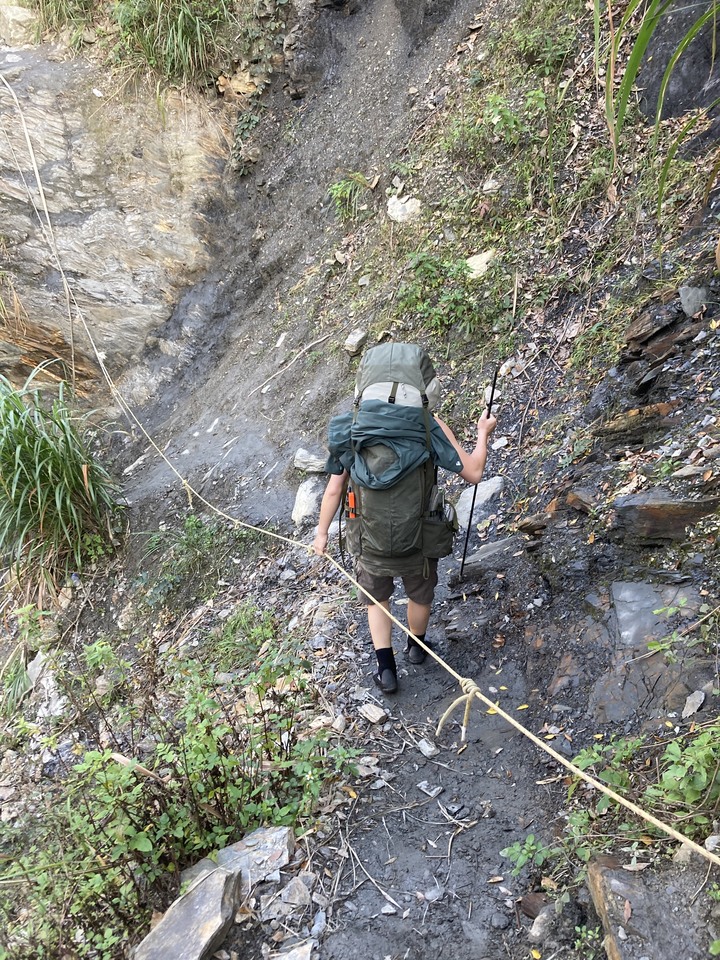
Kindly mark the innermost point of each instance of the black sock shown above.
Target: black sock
(386, 660)
(411, 640)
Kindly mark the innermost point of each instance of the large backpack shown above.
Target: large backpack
(396, 529)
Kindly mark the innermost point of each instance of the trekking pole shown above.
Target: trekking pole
(472, 508)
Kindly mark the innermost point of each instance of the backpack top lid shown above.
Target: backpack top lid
(399, 373)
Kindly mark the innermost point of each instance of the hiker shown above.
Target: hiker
(383, 459)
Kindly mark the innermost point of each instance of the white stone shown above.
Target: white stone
(487, 491)
(17, 25)
(403, 211)
(693, 704)
(355, 342)
(479, 263)
(309, 462)
(372, 713)
(307, 500)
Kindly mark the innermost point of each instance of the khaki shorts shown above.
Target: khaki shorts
(418, 588)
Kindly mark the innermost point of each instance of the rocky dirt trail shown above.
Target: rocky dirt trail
(555, 614)
(581, 562)
(554, 619)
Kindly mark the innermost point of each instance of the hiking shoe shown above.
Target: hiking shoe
(415, 653)
(387, 681)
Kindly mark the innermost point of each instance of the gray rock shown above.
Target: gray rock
(309, 462)
(355, 342)
(17, 25)
(659, 515)
(260, 855)
(404, 211)
(543, 924)
(656, 928)
(196, 923)
(499, 921)
(693, 299)
(198, 871)
(124, 181)
(319, 925)
(487, 491)
(492, 556)
(307, 501)
(301, 952)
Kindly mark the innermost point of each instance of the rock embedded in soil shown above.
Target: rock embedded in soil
(197, 922)
(309, 462)
(693, 300)
(492, 556)
(658, 515)
(307, 501)
(640, 911)
(487, 492)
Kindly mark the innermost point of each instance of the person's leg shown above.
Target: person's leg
(380, 627)
(420, 591)
(418, 617)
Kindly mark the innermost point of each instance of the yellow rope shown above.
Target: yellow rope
(470, 689)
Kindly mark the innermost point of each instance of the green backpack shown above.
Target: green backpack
(395, 530)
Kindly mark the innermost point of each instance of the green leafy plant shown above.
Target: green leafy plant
(610, 762)
(439, 291)
(190, 561)
(588, 943)
(506, 124)
(53, 490)
(689, 782)
(348, 195)
(218, 760)
(529, 851)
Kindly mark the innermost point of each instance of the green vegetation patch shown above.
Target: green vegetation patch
(184, 41)
(195, 761)
(57, 501)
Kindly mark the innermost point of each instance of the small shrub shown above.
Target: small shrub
(589, 943)
(53, 491)
(530, 851)
(348, 194)
(439, 292)
(218, 761)
(190, 561)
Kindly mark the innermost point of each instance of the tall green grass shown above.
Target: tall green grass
(617, 95)
(180, 39)
(55, 15)
(56, 499)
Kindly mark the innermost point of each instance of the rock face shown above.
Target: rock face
(693, 83)
(640, 910)
(658, 515)
(124, 180)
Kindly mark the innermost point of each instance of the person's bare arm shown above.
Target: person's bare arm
(473, 463)
(328, 508)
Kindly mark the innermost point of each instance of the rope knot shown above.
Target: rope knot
(468, 686)
(469, 689)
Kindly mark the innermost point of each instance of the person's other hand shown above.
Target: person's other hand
(320, 543)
